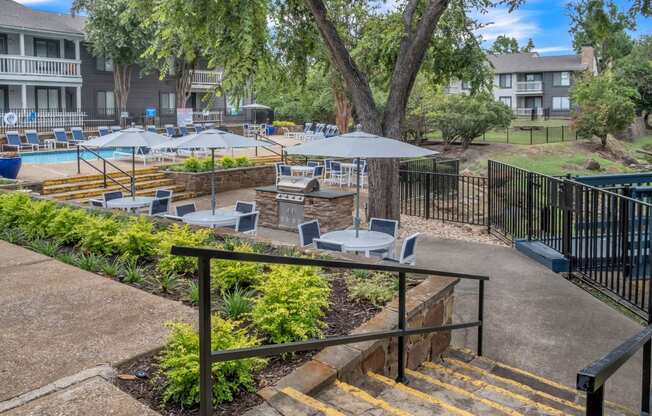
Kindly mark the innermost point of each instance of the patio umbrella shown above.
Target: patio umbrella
(255, 107)
(131, 137)
(211, 139)
(358, 145)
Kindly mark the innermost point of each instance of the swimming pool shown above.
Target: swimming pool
(62, 156)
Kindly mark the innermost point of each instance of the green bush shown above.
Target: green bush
(227, 162)
(237, 303)
(192, 293)
(206, 165)
(226, 274)
(63, 227)
(377, 288)
(90, 262)
(283, 123)
(192, 164)
(292, 301)
(36, 215)
(177, 235)
(132, 272)
(242, 162)
(12, 207)
(136, 239)
(180, 363)
(97, 234)
(46, 247)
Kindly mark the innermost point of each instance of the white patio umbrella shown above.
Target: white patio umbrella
(131, 137)
(359, 145)
(211, 139)
(255, 107)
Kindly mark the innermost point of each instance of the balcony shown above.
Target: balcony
(205, 79)
(529, 87)
(529, 112)
(31, 68)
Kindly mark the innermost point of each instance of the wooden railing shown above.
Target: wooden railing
(529, 86)
(30, 65)
(205, 77)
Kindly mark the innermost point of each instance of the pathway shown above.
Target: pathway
(63, 328)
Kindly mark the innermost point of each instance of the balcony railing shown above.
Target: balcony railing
(30, 65)
(206, 78)
(529, 86)
(527, 112)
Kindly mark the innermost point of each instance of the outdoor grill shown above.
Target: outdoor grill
(293, 188)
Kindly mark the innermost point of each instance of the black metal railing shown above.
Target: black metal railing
(592, 379)
(207, 356)
(106, 176)
(605, 235)
(429, 164)
(443, 196)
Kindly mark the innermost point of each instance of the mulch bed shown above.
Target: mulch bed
(343, 316)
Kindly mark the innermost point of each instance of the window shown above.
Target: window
(47, 98)
(4, 98)
(505, 80)
(104, 64)
(506, 100)
(533, 77)
(167, 102)
(105, 102)
(233, 106)
(466, 86)
(561, 79)
(560, 103)
(4, 48)
(47, 48)
(69, 49)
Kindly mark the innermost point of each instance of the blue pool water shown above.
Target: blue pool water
(61, 156)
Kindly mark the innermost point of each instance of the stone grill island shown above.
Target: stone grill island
(285, 210)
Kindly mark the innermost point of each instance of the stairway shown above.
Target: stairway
(459, 384)
(82, 188)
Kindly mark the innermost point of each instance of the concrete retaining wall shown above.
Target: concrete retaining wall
(225, 180)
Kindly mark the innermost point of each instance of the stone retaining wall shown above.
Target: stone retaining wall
(225, 180)
(428, 304)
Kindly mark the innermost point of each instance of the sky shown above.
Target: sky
(544, 21)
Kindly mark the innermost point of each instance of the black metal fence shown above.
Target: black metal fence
(450, 166)
(207, 357)
(605, 235)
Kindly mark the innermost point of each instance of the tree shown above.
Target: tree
(604, 104)
(462, 118)
(529, 47)
(503, 45)
(636, 70)
(114, 31)
(603, 26)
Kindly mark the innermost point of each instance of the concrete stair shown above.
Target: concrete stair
(459, 384)
(83, 188)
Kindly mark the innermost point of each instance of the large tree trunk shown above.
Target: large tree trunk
(184, 72)
(343, 110)
(122, 83)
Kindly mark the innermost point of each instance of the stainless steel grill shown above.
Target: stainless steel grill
(297, 184)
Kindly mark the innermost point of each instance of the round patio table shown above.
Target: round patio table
(302, 170)
(130, 203)
(366, 241)
(206, 218)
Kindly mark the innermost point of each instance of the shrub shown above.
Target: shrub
(136, 239)
(68, 258)
(90, 262)
(13, 235)
(237, 303)
(167, 282)
(192, 164)
(12, 207)
(206, 165)
(180, 363)
(177, 235)
(283, 123)
(36, 215)
(193, 293)
(377, 288)
(46, 247)
(292, 301)
(227, 162)
(64, 226)
(133, 273)
(243, 162)
(111, 268)
(97, 234)
(226, 274)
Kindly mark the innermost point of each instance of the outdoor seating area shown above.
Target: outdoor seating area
(314, 131)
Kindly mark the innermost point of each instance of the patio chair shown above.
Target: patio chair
(337, 174)
(247, 223)
(151, 128)
(408, 253)
(96, 203)
(77, 134)
(13, 141)
(103, 131)
(208, 126)
(115, 129)
(60, 137)
(144, 154)
(198, 128)
(308, 231)
(381, 225)
(364, 174)
(318, 172)
(159, 207)
(328, 245)
(244, 207)
(170, 130)
(163, 193)
(109, 196)
(182, 210)
(32, 138)
(313, 163)
(183, 130)
(327, 167)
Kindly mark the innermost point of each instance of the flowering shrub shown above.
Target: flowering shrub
(177, 235)
(136, 239)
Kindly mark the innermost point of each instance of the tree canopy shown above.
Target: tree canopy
(635, 70)
(506, 44)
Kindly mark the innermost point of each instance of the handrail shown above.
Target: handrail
(207, 357)
(272, 142)
(103, 171)
(591, 379)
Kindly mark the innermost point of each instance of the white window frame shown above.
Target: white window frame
(107, 102)
(502, 99)
(103, 64)
(508, 80)
(558, 103)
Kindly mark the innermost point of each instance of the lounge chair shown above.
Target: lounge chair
(144, 154)
(198, 128)
(308, 231)
(13, 141)
(170, 130)
(77, 135)
(183, 130)
(151, 128)
(115, 129)
(60, 137)
(32, 138)
(103, 131)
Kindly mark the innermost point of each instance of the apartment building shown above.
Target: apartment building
(47, 71)
(531, 84)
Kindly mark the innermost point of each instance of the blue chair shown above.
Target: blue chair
(151, 128)
(170, 130)
(337, 175)
(389, 227)
(198, 128)
(408, 253)
(60, 137)
(308, 231)
(312, 163)
(103, 131)
(318, 172)
(247, 223)
(185, 209)
(285, 170)
(96, 203)
(109, 196)
(159, 207)
(245, 207)
(32, 139)
(162, 194)
(328, 245)
(115, 129)
(77, 134)
(183, 130)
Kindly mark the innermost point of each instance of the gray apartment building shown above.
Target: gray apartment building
(46, 70)
(531, 84)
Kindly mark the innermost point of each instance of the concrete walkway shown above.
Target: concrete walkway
(60, 323)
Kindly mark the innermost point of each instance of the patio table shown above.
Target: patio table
(366, 241)
(128, 203)
(206, 218)
(302, 170)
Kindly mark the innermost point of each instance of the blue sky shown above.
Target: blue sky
(545, 21)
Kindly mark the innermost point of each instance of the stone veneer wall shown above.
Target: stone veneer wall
(332, 213)
(428, 304)
(225, 180)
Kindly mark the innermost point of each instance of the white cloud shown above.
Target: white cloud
(549, 49)
(518, 24)
(30, 2)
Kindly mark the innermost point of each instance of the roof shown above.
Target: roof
(532, 62)
(17, 16)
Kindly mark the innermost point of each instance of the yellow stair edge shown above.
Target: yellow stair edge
(374, 401)
(310, 402)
